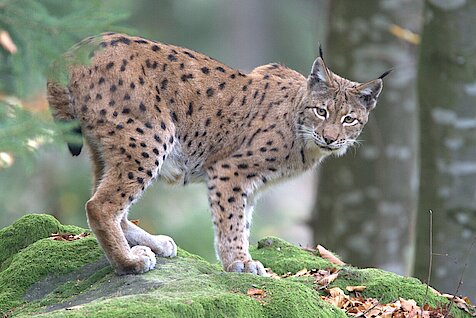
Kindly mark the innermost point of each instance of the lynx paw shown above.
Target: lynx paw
(146, 256)
(247, 266)
(164, 246)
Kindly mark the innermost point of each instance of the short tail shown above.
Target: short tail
(61, 108)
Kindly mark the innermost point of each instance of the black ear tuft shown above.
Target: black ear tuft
(320, 51)
(385, 74)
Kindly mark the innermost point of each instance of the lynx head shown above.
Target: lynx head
(334, 110)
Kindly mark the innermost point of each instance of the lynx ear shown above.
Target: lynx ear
(320, 74)
(369, 92)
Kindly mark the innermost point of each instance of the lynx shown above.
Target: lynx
(149, 110)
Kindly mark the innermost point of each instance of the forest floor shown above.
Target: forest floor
(52, 270)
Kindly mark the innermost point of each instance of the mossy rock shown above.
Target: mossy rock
(49, 278)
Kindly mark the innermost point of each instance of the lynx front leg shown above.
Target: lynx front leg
(231, 209)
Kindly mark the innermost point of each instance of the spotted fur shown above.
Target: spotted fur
(151, 110)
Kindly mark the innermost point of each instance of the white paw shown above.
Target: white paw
(147, 257)
(164, 246)
(247, 266)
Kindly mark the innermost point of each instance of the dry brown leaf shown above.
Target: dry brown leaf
(7, 43)
(135, 222)
(67, 236)
(272, 274)
(408, 305)
(326, 280)
(370, 307)
(302, 272)
(337, 297)
(462, 303)
(329, 256)
(355, 288)
(335, 291)
(255, 292)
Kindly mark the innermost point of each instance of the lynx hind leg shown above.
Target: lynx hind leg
(130, 165)
(104, 209)
(161, 245)
(98, 164)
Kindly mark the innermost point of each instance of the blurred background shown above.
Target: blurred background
(371, 206)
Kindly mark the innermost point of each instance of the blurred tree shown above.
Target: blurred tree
(367, 199)
(447, 95)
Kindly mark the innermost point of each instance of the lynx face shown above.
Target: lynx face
(335, 110)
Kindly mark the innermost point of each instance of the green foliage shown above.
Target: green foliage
(22, 131)
(41, 31)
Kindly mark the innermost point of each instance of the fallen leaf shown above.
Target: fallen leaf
(67, 236)
(408, 305)
(257, 294)
(136, 222)
(272, 274)
(355, 288)
(302, 272)
(7, 42)
(337, 297)
(326, 280)
(328, 255)
(335, 291)
(462, 303)
(255, 291)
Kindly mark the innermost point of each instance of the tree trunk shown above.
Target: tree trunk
(367, 199)
(249, 27)
(447, 94)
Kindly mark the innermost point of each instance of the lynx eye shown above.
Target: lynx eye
(349, 120)
(320, 112)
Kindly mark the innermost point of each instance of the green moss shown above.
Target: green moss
(43, 277)
(283, 298)
(39, 259)
(25, 231)
(283, 257)
(30, 229)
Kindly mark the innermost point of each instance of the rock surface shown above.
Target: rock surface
(40, 276)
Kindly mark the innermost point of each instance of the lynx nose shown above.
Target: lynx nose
(330, 134)
(329, 140)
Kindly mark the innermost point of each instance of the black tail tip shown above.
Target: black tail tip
(75, 148)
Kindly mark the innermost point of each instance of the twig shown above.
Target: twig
(462, 274)
(362, 314)
(430, 263)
